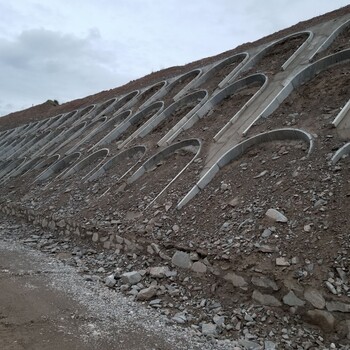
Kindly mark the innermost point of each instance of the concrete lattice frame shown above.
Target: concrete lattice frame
(192, 145)
(154, 97)
(303, 76)
(114, 161)
(58, 167)
(213, 101)
(238, 150)
(101, 154)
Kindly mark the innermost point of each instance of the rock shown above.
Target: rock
(176, 228)
(324, 319)
(181, 259)
(343, 329)
(337, 306)
(315, 298)
(61, 223)
(249, 345)
(265, 282)
(159, 271)
(236, 280)
(209, 329)
(132, 277)
(180, 317)
(269, 345)
(281, 261)
(233, 202)
(199, 267)
(95, 237)
(275, 215)
(331, 288)
(219, 320)
(265, 299)
(267, 233)
(146, 293)
(292, 300)
(110, 281)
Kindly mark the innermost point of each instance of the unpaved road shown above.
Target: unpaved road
(45, 304)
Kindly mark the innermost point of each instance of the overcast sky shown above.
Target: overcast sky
(60, 49)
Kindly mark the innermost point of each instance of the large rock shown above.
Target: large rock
(181, 259)
(199, 267)
(132, 277)
(209, 329)
(159, 271)
(315, 298)
(110, 281)
(276, 216)
(292, 300)
(343, 329)
(146, 293)
(324, 319)
(337, 306)
(265, 299)
(236, 280)
(265, 282)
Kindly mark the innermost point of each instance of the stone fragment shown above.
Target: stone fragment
(146, 293)
(315, 298)
(265, 299)
(132, 277)
(292, 300)
(236, 280)
(265, 282)
(324, 319)
(95, 237)
(269, 345)
(61, 223)
(110, 281)
(180, 317)
(199, 267)
(331, 288)
(343, 329)
(281, 261)
(337, 306)
(275, 215)
(181, 259)
(248, 344)
(159, 271)
(267, 233)
(209, 329)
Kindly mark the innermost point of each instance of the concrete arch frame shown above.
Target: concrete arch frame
(242, 57)
(342, 121)
(101, 154)
(303, 76)
(259, 55)
(58, 168)
(328, 42)
(125, 102)
(345, 150)
(47, 162)
(104, 108)
(200, 96)
(129, 122)
(196, 73)
(214, 100)
(238, 150)
(192, 145)
(24, 168)
(11, 167)
(111, 123)
(83, 114)
(93, 126)
(156, 96)
(67, 136)
(115, 123)
(114, 161)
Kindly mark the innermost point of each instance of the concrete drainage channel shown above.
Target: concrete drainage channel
(144, 128)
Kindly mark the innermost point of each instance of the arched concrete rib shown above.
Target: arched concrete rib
(124, 103)
(200, 96)
(340, 153)
(96, 156)
(300, 78)
(10, 167)
(115, 134)
(52, 122)
(238, 150)
(115, 123)
(242, 58)
(156, 96)
(217, 98)
(47, 162)
(196, 73)
(104, 108)
(342, 121)
(90, 129)
(193, 145)
(258, 56)
(58, 167)
(25, 167)
(67, 136)
(117, 159)
(328, 42)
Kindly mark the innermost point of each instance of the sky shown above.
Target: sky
(63, 50)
